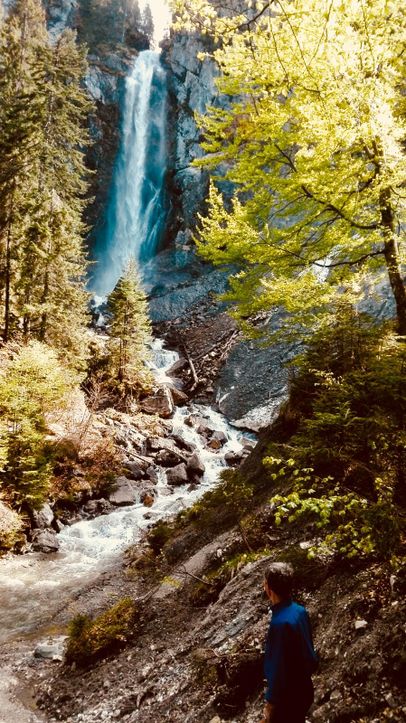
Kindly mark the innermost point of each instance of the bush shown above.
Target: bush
(10, 527)
(343, 468)
(90, 640)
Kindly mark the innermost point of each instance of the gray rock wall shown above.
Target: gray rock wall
(191, 89)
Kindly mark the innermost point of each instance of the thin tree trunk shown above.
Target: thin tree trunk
(391, 253)
(7, 291)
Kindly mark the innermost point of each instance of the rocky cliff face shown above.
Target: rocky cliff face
(191, 88)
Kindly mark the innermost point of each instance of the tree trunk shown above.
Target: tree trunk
(391, 253)
(7, 291)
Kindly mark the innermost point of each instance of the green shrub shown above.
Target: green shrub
(89, 640)
(342, 470)
(10, 527)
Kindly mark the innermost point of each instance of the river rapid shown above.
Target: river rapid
(34, 587)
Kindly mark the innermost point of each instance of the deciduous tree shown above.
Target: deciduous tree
(310, 133)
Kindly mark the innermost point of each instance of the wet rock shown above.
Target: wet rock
(179, 397)
(195, 465)
(233, 459)
(161, 403)
(147, 499)
(220, 437)
(124, 494)
(168, 458)
(45, 541)
(183, 444)
(204, 430)
(214, 444)
(136, 469)
(177, 367)
(194, 420)
(43, 518)
(178, 475)
(152, 475)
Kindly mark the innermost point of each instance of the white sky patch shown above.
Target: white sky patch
(162, 18)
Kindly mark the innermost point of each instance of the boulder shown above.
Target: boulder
(177, 476)
(45, 541)
(204, 430)
(155, 444)
(183, 444)
(194, 420)
(214, 444)
(168, 458)
(195, 466)
(124, 494)
(43, 518)
(233, 458)
(136, 469)
(147, 499)
(152, 475)
(220, 437)
(53, 649)
(177, 367)
(161, 403)
(179, 397)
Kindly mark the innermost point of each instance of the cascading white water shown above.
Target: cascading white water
(136, 213)
(35, 586)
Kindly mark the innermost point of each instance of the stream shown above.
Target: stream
(35, 586)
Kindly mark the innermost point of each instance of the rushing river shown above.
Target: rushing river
(35, 586)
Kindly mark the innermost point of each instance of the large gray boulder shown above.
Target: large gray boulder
(195, 465)
(124, 494)
(177, 476)
(43, 518)
(161, 403)
(45, 541)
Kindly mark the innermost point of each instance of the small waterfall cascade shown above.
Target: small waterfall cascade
(136, 211)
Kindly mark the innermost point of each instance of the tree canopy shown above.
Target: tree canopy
(308, 128)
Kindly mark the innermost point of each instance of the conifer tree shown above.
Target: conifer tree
(130, 334)
(147, 22)
(42, 181)
(33, 386)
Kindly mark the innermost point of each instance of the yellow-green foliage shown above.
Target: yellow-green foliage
(33, 387)
(343, 470)
(310, 136)
(10, 527)
(90, 639)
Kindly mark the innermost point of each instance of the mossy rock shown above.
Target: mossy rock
(90, 640)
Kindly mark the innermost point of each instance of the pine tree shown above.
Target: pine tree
(21, 34)
(43, 108)
(147, 24)
(33, 386)
(130, 334)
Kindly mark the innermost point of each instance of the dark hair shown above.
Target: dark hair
(279, 577)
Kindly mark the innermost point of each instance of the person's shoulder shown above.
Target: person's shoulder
(292, 614)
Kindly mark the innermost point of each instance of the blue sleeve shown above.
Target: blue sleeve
(277, 643)
(310, 657)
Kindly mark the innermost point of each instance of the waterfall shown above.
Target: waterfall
(136, 211)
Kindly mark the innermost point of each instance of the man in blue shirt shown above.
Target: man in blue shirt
(290, 658)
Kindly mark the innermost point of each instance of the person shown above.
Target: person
(290, 658)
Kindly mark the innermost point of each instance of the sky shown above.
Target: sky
(161, 15)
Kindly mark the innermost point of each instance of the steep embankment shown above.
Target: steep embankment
(195, 652)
